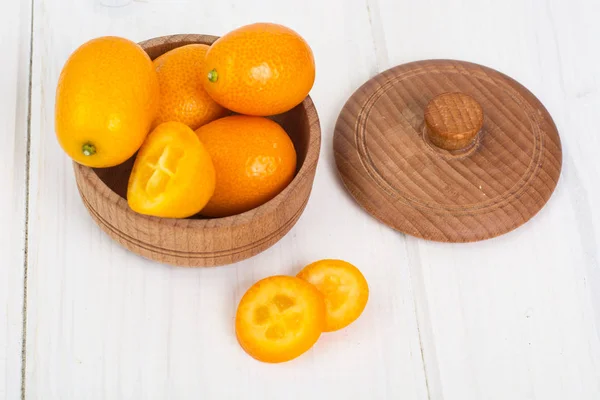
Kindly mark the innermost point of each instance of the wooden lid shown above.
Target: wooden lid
(447, 150)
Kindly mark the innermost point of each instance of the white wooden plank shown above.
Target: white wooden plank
(104, 323)
(15, 29)
(516, 317)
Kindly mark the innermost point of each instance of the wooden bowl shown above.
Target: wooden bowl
(197, 241)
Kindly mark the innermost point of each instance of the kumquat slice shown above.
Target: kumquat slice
(344, 287)
(279, 318)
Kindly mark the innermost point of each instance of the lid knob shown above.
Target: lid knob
(453, 120)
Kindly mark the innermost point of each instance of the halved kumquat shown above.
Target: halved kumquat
(279, 318)
(173, 175)
(344, 288)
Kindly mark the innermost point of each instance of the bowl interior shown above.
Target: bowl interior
(294, 122)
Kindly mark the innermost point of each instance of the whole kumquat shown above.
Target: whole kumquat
(182, 95)
(106, 100)
(254, 160)
(259, 69)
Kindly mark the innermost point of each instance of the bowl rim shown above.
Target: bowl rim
(310, 163)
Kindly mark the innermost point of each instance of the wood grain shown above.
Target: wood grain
(195, 242)
(389, 165)
(15, 34)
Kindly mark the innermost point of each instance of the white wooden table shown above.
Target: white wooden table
(513, 318)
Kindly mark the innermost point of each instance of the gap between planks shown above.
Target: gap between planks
(379, 44)
(421, 309)
(27, 193)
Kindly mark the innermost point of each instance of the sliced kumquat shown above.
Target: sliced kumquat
(344, 287)
(279, 318)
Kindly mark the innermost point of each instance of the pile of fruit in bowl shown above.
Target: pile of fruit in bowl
(196, 118)
(200, 131)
